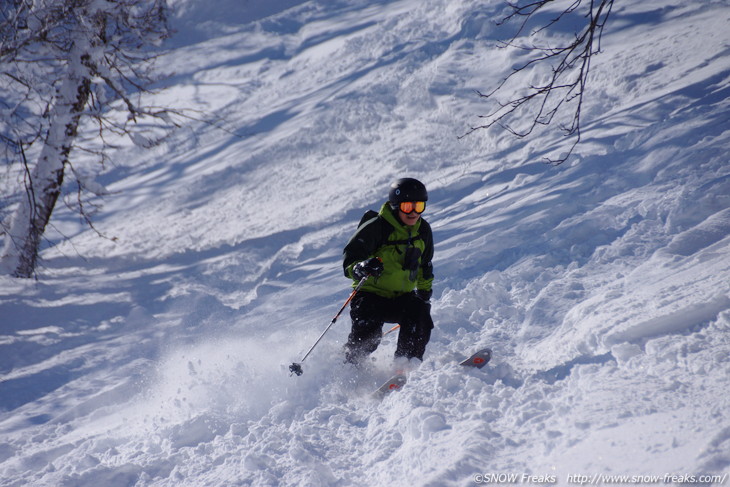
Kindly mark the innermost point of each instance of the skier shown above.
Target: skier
(394, 248)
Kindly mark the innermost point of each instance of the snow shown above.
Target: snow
(158, 356)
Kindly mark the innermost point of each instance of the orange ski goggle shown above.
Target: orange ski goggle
(411, 206)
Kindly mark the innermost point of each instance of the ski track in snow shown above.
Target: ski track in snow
(602, 285)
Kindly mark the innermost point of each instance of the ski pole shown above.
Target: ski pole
(296, 367)
(391, 330)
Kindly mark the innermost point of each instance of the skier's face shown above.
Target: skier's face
(408, 218)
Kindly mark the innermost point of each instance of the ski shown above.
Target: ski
(392, 384)
(478, 360)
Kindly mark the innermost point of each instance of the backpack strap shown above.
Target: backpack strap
(369, 215)
(405, 241)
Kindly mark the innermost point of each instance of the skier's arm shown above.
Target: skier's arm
(361, 246)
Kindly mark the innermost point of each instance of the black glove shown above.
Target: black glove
(424, 295)
(371, 267)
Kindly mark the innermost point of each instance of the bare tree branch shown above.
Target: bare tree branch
(569, 66)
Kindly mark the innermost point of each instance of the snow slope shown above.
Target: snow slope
(160, 357)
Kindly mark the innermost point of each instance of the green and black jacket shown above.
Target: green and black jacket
(406, 253)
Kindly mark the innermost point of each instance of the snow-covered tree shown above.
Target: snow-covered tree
(64, 62)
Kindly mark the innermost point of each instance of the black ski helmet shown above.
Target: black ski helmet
(407, 189)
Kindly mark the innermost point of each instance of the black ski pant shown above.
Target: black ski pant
(369, 312)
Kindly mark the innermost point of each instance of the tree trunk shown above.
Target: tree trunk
(43, 184)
